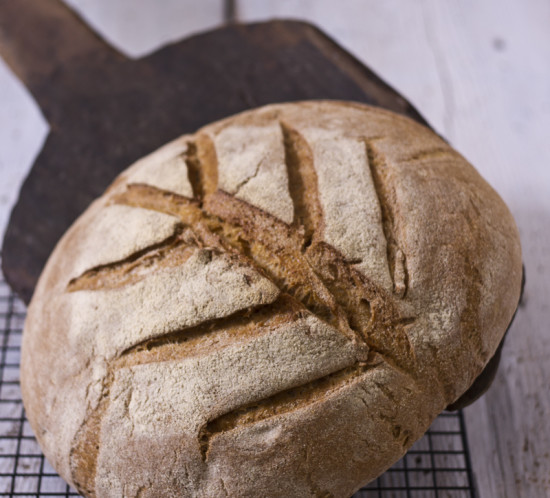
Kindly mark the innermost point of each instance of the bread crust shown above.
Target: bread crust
(277, 305)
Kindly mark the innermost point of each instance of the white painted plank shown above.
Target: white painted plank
(138, 27)
(480, 72)
(389, 36)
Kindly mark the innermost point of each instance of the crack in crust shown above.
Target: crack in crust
(313, 278)
(200, 159)
(194, 171)
(302, 184)
(212, 335)
(279, 404)
(434, 153)
(85, 451)
(171, 252)
(395, 255)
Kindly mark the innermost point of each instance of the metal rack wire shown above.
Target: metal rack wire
(437, 466)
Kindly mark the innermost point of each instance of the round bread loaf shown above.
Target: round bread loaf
(278, 305)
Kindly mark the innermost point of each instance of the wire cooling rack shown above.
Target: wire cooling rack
(437, 466)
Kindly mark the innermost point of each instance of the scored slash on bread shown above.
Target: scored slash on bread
(277, 305)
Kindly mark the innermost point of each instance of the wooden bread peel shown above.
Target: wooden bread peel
(106, 111)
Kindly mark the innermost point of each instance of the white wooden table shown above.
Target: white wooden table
(479, 71)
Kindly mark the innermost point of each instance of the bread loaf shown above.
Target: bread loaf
(278, 305)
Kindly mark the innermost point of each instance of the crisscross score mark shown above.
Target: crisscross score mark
(313, 278)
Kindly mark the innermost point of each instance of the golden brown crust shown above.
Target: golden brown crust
(311, 285)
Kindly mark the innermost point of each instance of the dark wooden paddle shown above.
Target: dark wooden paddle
(105, 111)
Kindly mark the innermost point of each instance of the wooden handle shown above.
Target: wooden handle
(38, 38)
